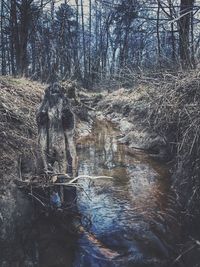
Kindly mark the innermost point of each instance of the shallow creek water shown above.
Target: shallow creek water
(123, 219)
(124, 214)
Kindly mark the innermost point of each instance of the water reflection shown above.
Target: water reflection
(121, 210)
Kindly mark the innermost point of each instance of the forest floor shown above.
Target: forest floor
(159, 116)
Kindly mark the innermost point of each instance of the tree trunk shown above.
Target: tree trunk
(192, 42)
(158, 34)
(11, 40)
(15, 34)
(90, 34)
(83, 36)
(3, 58)
(186, 8)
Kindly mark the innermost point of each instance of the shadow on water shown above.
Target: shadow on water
(123, 219)
(126, 213)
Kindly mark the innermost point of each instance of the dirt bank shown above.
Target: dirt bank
(19, 100)
(129, 109)
(18, 139)
(175, 112)
(162, 116)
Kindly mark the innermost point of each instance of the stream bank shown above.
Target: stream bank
(161, 116)
(18, 141)
(156, 231)
(129, 109)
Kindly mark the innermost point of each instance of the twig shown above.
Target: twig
(84, 176)
(37, 199)
(20, 168)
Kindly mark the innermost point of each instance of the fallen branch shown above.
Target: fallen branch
(40, 201)
(49, 183)
(83, 176)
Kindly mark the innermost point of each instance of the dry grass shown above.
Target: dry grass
(128, 102)
(175, 113)
(171, 105)
(19, 99)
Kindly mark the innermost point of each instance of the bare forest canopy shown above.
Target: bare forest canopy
(91, 40)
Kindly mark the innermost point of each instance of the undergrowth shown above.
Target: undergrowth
(18, 131)
(175, 113)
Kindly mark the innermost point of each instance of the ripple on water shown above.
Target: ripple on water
(121, 210)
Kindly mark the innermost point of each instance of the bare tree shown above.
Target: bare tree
(186, 8)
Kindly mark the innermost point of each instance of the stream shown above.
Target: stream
(126, 214)
(125, 220)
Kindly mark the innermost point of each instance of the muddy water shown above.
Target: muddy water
(124, 216)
